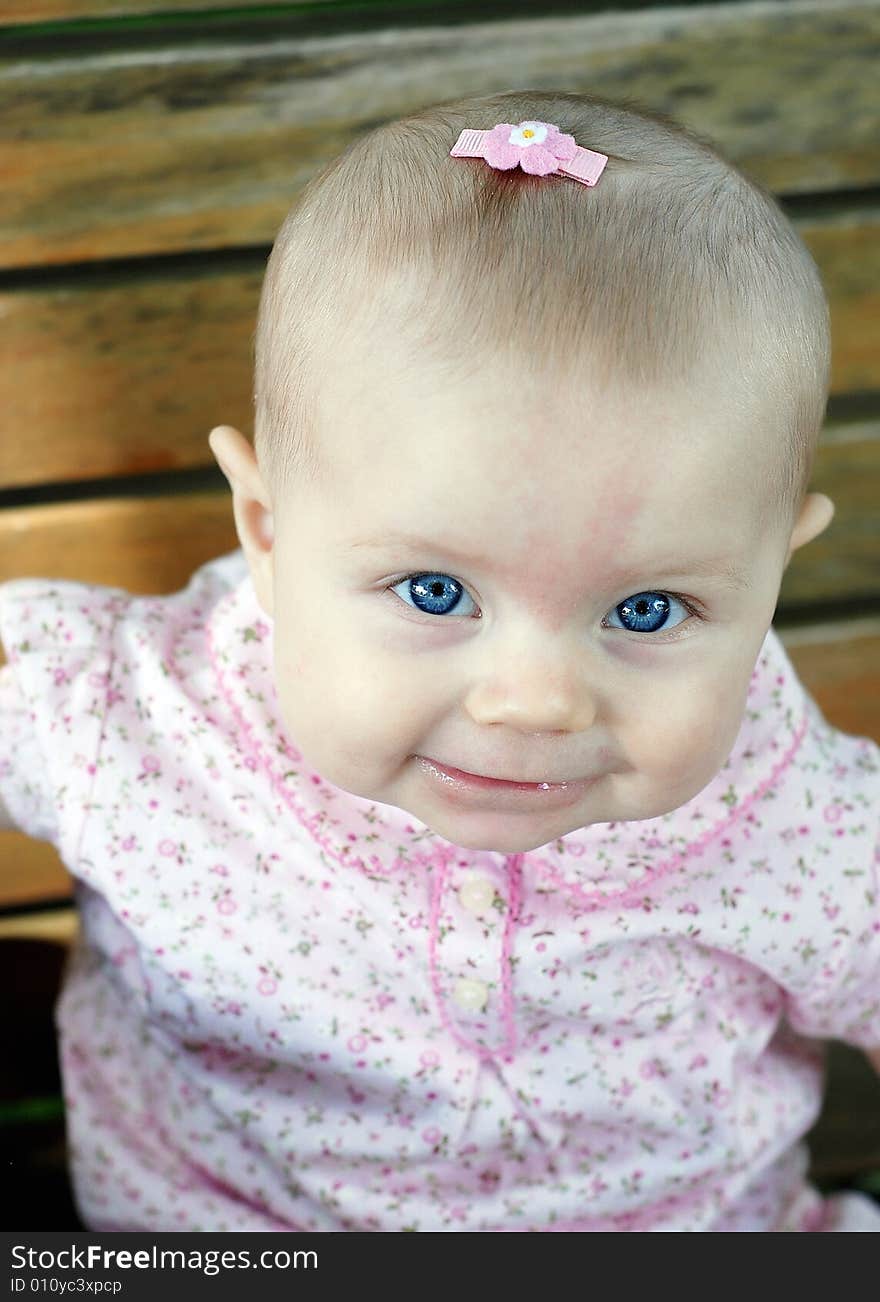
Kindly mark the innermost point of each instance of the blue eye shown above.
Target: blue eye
(648, 612)
(434, 593)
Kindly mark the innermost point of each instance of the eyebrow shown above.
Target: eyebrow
(716, 568)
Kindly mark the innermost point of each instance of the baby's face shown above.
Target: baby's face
(523, 581)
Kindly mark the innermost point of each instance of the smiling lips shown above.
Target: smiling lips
(500, 782)
(475, 791)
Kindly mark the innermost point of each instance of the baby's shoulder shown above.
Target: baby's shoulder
(61, 616)
(45, 615)
(835, 781)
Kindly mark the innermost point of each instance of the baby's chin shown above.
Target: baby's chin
(508, 845)
(618, 797)
(493, 831)
(505, 833)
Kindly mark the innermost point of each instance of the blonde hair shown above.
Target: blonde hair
(675, 261)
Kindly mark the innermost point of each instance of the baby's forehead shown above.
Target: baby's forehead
(388, 412)
(392, 405)
(511, 467)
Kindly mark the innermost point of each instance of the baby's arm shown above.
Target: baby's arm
(6, 823)
(24, 787)
(873, 1056)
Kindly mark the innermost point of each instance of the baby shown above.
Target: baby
(463, 852)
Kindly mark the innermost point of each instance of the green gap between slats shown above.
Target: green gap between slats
(395, 15)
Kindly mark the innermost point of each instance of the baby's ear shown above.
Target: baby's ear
(815, 516)
(251, 505)
(235, 457)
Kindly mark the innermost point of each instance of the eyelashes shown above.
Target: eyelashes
(436, 595)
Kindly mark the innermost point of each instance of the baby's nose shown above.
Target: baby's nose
(532, 697)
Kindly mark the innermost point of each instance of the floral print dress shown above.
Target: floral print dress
(293, 1008)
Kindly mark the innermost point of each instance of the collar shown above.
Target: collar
(602, 863)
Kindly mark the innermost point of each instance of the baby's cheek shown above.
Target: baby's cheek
(703, 723)
(381, 701)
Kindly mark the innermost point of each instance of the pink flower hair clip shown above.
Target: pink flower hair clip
(538, 147)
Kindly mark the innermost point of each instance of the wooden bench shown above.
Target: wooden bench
(148, 161)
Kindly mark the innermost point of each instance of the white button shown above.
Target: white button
(471, 995)
(476, 893)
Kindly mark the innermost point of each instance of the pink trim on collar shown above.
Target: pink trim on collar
(634, 895)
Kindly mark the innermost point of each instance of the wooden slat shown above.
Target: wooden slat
(31, 872)
(187, 146)
(124, 375)
(847, 252)
(842, 563)
(144, 544)
(838, 663)
(126, 372)
(57, 925)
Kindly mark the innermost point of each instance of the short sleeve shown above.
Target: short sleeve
(58, 640)
(842, 999)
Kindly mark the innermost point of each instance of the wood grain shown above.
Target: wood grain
(839, 664)
(124, 374)
(841, 564)
(143, 544)
(203, 144)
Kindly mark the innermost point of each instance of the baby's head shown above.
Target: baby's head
(573, 396)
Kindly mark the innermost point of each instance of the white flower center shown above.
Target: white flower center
(528, 133)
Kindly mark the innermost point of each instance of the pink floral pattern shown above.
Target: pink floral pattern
(283, 1014)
